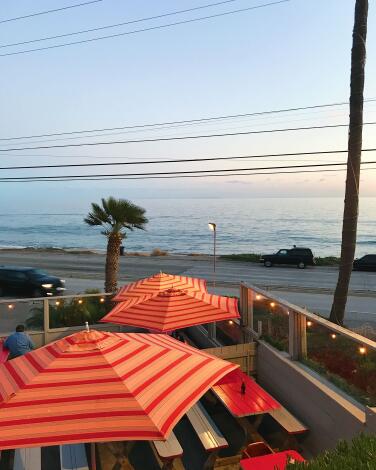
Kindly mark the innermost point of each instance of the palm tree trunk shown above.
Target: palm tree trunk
(112, 262)
(350, 214)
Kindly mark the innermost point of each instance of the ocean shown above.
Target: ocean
(180, 226)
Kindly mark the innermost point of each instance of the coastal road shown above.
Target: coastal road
(312, 287)
(91, 266)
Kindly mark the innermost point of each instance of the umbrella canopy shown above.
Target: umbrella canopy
(158, 283)
(99, 386)
(173, 309)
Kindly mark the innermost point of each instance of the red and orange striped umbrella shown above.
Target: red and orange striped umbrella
(158, 283)
(173, 309)
(98, 386)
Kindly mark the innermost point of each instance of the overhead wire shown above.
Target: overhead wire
(188, 121)
(186, 160)
(163, 173)
(185, 176)
(189, 137)
(151, 28)
(31, 15)
(116, 25)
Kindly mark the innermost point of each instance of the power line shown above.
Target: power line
(226, 170)
(151, 28)
(190, 137)
(100, 28)
(185, 176)
(49, 11)
(203, 159)
(189, 121)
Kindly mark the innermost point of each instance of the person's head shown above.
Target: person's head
(20, 328)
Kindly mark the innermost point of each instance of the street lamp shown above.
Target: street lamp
(213, 228)
(212, 327)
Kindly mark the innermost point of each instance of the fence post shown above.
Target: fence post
(46, 319)
(246, 305)
(297, 336)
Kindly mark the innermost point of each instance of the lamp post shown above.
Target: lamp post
(213, 228)
(212, 327)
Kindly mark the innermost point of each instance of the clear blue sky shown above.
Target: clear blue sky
(287, 55)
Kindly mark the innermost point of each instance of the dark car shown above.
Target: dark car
(367, 263)
(29, 282)
(300, 257)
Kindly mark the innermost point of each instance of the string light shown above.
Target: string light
(102, 299)
(272, 304)
(10, 306)
(333, 336)
(362, 350)
(258, 297)
(80, 301)
(230, 322)
(57, 303)
(309, 323)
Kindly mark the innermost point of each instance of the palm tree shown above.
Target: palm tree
(115, 215)
(350, 214)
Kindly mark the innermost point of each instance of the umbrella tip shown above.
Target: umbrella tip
(87, 326)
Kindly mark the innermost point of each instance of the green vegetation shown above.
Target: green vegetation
(359, 454)
(251, 257)
(115, 216)
(69, 313)
(255, 258)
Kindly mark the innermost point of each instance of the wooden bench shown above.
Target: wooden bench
(168, 453)
(207, 431)
(73, 457)
(289, 423)
(4, 353)
(29, 458)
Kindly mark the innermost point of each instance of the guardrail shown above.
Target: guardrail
(344, 357)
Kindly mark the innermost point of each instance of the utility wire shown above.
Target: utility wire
(116, 25)
(189, 121)
(204, 159)
(190, 137)
(151, 28)
(185, 176)
(226, 170)
(49, 11)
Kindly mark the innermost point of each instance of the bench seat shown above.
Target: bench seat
(170, 448)
(29, 458)
(207, 431)
(288, 422)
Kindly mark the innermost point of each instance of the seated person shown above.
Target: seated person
(18, 343)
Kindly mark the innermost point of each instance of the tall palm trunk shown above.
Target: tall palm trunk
(350, 215)
(112, 262)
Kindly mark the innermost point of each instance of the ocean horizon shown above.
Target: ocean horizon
(180, 226)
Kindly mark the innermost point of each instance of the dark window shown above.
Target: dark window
(14, 276)
(282, 252)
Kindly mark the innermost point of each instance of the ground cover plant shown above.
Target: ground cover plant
(70, 312)
(359, 454)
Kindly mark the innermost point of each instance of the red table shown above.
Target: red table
(276, 461)
(254, 401)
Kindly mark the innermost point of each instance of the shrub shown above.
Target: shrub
(359, 454)
(158, 252)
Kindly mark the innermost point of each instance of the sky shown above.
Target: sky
(286, 55)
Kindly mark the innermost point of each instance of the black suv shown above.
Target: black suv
(300, 257)
(29, 282)
(367, 263)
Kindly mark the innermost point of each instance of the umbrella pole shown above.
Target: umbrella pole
(93, 456)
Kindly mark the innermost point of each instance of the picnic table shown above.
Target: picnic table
(271, 461)
(255, 400)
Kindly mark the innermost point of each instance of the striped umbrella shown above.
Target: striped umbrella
(158, 283)
(98, 386)
(173, 309)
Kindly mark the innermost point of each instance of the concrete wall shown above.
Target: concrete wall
(329, 415)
